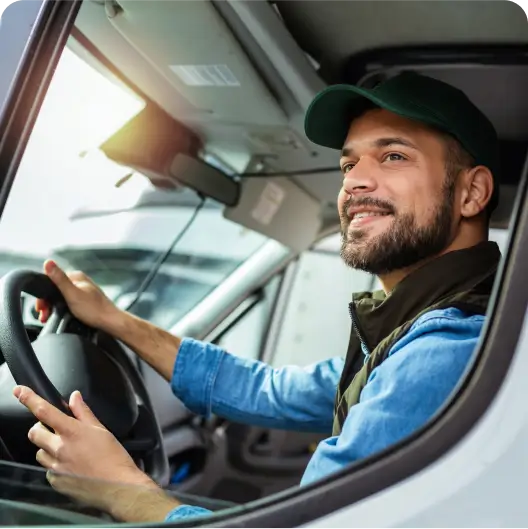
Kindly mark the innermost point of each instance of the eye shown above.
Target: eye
(394, 157)
(347, 167)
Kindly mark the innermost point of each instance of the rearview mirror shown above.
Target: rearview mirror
(167, 153)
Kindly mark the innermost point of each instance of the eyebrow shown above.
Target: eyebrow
(382, 142)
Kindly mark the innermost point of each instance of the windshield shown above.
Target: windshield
(70, 202)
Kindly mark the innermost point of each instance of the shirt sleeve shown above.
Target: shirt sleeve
(186, 511)
(403, 393)
(209, 380)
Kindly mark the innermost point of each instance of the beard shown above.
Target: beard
(404, 243)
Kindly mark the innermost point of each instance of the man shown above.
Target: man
(419, 162)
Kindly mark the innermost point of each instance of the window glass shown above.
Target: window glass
(72, 203)
(27, 500)
(245, 338)
(316, 323)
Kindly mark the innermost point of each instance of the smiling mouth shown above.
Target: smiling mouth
(367, 214)
(362, 218)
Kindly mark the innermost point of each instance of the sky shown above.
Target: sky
(81, 110)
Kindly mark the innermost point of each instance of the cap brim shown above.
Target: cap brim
(329, 116)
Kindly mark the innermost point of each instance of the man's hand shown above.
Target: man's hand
(85, 300)
(88, 303)
(82, 446)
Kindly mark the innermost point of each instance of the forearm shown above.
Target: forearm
(153, 345)
(149, 504)
(141, 505)
(209, 380)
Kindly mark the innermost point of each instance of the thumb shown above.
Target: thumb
(57, 275)
(81, 411)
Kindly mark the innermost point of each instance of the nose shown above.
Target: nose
(360, 179)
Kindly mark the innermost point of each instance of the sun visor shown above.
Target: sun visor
(167, 152)
(279, 209)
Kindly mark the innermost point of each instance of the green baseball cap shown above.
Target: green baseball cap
(413, 96)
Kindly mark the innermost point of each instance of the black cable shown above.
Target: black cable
(154, 270)
(319, 170)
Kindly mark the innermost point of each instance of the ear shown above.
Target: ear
(477, 191)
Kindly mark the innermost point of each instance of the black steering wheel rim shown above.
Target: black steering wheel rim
(14, 341)
(26, 369)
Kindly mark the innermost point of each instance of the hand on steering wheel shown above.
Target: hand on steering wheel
(85, 300)
(74, 357)
(69, 449)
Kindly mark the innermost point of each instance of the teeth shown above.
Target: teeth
(368, 214)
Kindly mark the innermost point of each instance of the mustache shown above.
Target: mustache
(362, 202)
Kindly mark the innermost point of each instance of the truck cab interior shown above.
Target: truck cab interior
(170, 144)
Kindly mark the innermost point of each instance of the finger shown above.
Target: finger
(43, 410)
(43, 308)
(41, 304)
(77, 275)
(46, 460)
(44, 315)
(81, 410)
(57, 275)
(43, 438)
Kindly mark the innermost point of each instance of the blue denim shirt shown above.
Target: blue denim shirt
(406, 390)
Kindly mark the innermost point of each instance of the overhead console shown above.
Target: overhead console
(188, 46)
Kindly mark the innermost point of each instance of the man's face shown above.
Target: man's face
(397, 203)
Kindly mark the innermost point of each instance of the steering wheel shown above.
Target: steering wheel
(69, 356)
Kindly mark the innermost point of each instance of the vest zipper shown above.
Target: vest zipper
(357, 329)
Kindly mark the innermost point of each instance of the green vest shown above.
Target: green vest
(461, 279)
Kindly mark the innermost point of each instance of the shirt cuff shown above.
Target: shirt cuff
(195, 370)
(186, 511)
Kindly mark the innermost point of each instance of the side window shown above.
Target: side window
(315, 322)
(245, 335)
(500, 237)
